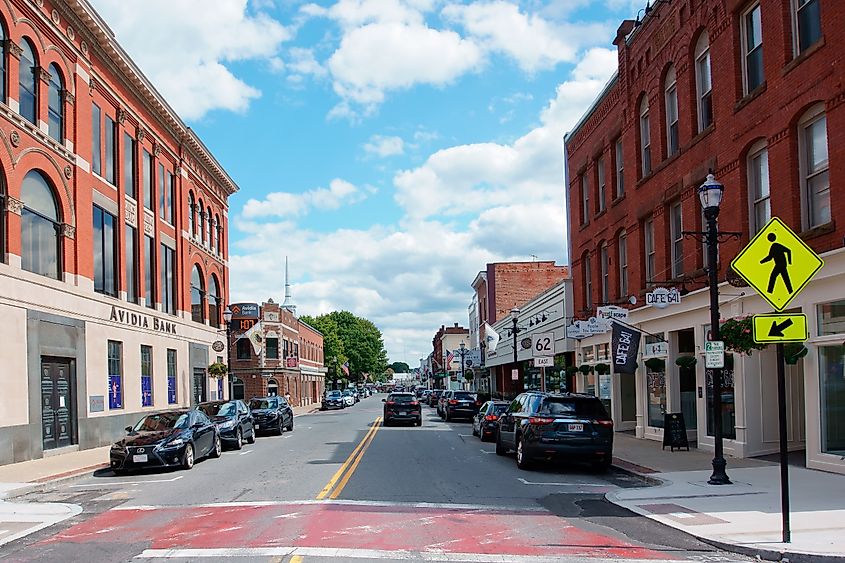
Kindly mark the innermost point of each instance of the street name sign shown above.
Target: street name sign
(544, 362)
(777, 264)
(714, 354)
(780, 328)
(543, 344)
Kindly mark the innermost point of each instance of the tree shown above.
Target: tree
(400, 367)
(353, 339)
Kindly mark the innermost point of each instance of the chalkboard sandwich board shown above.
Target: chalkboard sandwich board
(675, 431)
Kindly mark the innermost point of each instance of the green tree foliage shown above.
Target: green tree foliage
(353, 339)
(400, 367)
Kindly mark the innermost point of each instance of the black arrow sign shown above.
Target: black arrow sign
(777, 329)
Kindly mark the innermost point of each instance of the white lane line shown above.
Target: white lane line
(368, 503)
(487, 452)
(122, 483)
(246, 452)
(347, 553)
(524, 482)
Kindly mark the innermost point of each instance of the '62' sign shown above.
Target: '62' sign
(543, 344)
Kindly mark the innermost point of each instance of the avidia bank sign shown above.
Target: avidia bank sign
(141, 321)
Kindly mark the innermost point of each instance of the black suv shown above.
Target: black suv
(568, 426)
(402, 407)
(233, 420)
(271, 414)
(458, 404)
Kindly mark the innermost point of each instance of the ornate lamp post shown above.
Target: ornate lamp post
(463, 353)
(227, 318)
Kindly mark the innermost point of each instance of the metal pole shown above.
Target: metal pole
(229, 359)
(462, 364)
(515, 360)
(543, 379)
(784, 453)
(719, 476)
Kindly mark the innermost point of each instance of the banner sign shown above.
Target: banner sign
(624, 345)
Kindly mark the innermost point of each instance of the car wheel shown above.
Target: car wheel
(239, 439)
(483, 436)
(474, 431)
(419, 421)
(500, 448)
(386, 423)
(188, 457)
(290, 426)
(603, 465)
(251, 439)
(522, 460)
(281, 428)
(447, 417)
(218, 448)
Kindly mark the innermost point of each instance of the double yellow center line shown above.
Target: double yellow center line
(338, 481)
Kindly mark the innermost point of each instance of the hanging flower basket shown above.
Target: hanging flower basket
(656, 364)
(686, 361)
(571, 370)
(217, 370)
(602, 369)
(793, 352)
(737, 336)
(585, 369)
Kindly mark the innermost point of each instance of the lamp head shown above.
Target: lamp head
(515, 313)
(710, 192)
(463, 346)
(227, 315)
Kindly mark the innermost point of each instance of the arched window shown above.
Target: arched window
(28, 82)
(645, 138)
(703, 83)
(273, 388)
(40, 224)
(54, 104)
(192, 206)
(213, 301)
(670, 94)
(218, 230)
(207, 238)
(213, 244)
(3, 62)
(201, 220)
(197, 296)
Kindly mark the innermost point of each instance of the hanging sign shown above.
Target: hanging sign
(624, 345)
(662, 297)
(612, 313)
(780, 328)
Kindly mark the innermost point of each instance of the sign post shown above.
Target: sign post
(778, 265)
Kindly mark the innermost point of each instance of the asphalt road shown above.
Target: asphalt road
(342, 487)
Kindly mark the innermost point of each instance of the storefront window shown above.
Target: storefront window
(603, 352)
(832, 387)
(728, 406)
(655, 369)
(832, 318)
(591, 383)
(605, 386)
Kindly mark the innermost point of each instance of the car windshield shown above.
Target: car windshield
(219, 409)
(580, 408)
(401, 397)
(162, 421)
(262, 404)
(347, 393)
(333, 394)
(464, 396)
(499, 409)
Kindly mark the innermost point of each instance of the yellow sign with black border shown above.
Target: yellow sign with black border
(776, 328)
(777, 264)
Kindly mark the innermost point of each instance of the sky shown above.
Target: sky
(389, 148)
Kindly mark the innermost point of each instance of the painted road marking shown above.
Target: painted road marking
(296, 559)
(354, 465)
(524, 482)
(121, 483)
(327, 489)
(340, 502)
(246, 452)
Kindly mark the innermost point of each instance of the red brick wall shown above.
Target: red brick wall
(513, 284)
(770, 113)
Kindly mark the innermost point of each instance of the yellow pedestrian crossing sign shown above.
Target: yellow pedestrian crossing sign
(779, 328)
(777, 264)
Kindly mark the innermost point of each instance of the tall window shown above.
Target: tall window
(55, 108)
(40, 227)
(4, 51)
(105, 254)
(752, 48)
(814, 166)
(622, 244)
(171, 198)
(111, 149)
(677, 237)
(162, 204)
(758, 186)
(191, 213)
(168, 279)
(201, 217)
(620, 169)
(588, 281)
(147, 176)
(272, 348)
(131, 264)
(2, 214)
(807, 23)
(129, 185)
(96, 140)
(602, 185)
(149, 270)
(244, 349)
(604, 264)
(214, 301)
(197, 296)
(670, 94)
(585, 199)
(645, 137)
(28, 82)
(146, 376)
(648, 240)
(207, 238)
(218, 232)
(115, 361)
(703, 82)
(171, 376)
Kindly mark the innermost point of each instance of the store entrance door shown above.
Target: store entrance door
(58, 403)
(200, 392)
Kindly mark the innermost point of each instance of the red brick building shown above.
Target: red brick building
(113, 237)
(448, 339)
(752, 91)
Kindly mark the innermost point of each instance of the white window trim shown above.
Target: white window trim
(675, 239)
(670, 91)
(644, 119)
(756, 149)
(585, 199)
(812, 115)
(604, 268)
(700, 54)
(620, 168)
(601, 188)
(588, 274)
(622, 257)
(796, 40)
(744, 45)
(648, 232)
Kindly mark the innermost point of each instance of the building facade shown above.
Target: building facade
(113, 238)
(445, 371)
(745, 89)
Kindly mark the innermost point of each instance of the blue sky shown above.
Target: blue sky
(390, 148)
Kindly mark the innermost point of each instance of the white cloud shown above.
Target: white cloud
(303, 62)
(287, 204)
(385, 146)
(185, 46)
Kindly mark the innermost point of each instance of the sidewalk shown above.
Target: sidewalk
(743, 517)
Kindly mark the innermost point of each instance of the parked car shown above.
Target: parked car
(459, 404)
(424, 396)
(333, 400)
(444, 396)
(434, 397)
(348, 398)
(402, 407)
(568, 426)
(485, 423)
(170, 438)
(233, 420)
(271, 414)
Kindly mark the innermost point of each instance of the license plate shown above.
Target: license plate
(257, 427)
(139, 458)
(576, 427)
(403, 413)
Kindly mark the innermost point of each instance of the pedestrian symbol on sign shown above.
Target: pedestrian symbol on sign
(782, 257)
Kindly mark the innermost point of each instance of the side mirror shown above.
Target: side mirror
(384, 400)
(128, 429)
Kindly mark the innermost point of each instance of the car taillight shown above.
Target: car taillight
(540, 420)
(414, 404)
(453, 402)
(491, 417)
(478, 403)
(604, 422)
(390, 403)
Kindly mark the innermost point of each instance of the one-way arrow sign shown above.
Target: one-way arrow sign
(778, 328)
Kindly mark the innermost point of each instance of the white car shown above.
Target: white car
(348, 398)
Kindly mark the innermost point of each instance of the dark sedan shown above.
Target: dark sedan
(170, 438)
(271, 414)
(233, 419)
(402, 407)
(485, 424)
(333, 400)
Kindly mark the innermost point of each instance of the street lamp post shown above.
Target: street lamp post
(710, 195)
(515, 330)
(463, 352)
(227, 318)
